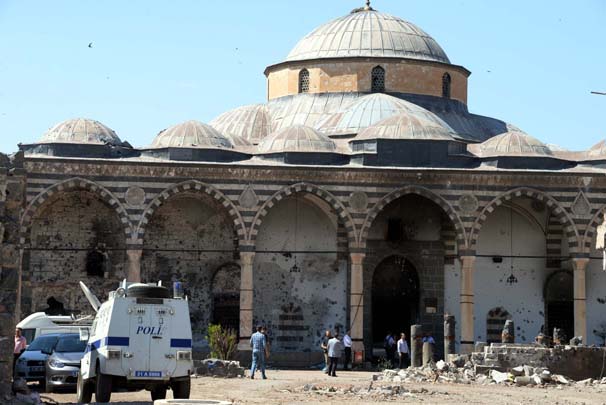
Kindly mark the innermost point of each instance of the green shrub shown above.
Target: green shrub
(223, 342)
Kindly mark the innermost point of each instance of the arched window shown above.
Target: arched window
(446, 80)
(495, 320)
(378, 80)
(304, 81)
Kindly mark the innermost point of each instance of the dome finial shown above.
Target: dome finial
(367, 8)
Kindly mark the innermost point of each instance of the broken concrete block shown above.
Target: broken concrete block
(537, 379)
(498, 376)
(528, 371)
(587, 381)
(560, 379)
(459, 361)
(523, 380)
(442, 365)
(545, 375)
(517, 371)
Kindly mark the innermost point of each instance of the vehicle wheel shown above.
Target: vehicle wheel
(181, 388)
(148, 291)
(84, 390)
(103, 389)
(158, 392)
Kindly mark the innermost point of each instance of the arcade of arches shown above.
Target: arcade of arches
(304, 279)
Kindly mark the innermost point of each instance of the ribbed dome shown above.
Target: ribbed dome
(191, 134)
(297, 138)
(368, 33)
(368, 110)
(81, 131)
(250, 122)
(406, 126)
(513, 143)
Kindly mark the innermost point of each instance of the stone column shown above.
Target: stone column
(134, 265)
(246, 299)
(579, 266)
(356, 302)
(467, 332)
(449, 336)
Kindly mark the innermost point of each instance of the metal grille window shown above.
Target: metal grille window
(446, 85)
(304, 81)
(378, 79)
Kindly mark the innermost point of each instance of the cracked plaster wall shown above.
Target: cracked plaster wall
(298, 306)
(188, 239)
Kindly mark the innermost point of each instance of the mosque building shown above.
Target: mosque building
(362, 195)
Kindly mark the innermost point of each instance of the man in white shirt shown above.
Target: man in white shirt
(335, 348)
(347, 344)
(403, 351)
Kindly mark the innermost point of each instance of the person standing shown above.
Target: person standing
(403, 352)
(258, 342)
(324, 346)
(335, 348)
(390, 348)
(20, 345)
(347, 344)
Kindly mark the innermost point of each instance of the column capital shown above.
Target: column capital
(247, 258)
(579, 263)
(357, 258)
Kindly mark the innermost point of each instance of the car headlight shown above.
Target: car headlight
(56, 364)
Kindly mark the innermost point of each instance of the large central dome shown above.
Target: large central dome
(368, 33)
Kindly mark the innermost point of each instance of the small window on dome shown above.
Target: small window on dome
(378, 80)
(446, 80)
(304, 81)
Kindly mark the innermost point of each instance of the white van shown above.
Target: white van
(140, 339)
(40, 323)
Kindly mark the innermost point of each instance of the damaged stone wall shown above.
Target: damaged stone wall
(75, 237)
(422, 245)
(298, 303)
(523, 300)
(188, 239)
(596, 299)
(12, 186)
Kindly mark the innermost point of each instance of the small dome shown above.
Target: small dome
(368, 110)
(513, 143)
(368, 33)
(597, 150)
(406, 126)
(249, 122)
(81, 131)
(297, 138)
(191, 134)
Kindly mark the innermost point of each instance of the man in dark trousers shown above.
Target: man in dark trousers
(335, 349)
(347, 343)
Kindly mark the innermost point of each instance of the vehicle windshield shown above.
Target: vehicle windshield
(43, 343)
(70, 344)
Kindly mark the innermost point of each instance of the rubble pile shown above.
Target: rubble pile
(374, 392)
(218, 368)
(463, 371)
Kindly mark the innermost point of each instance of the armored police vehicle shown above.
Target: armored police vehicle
(140, 339)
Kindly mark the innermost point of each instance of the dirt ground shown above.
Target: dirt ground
(296, 387)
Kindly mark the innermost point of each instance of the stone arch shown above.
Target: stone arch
(332, 201)
(73, 184)
(423, 192)
(557, 210)
(192, 186)
(591, 229)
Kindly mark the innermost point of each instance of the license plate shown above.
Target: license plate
(151, 374)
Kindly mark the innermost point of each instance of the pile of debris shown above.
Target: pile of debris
(218, 368)
(373, 392)
(462, 371)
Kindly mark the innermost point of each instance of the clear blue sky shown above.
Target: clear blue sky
(157, 63)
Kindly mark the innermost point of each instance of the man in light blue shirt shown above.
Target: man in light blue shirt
(258, 343)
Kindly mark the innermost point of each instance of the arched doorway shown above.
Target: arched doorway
(395, 297)
(559, 303)
(226, 297)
